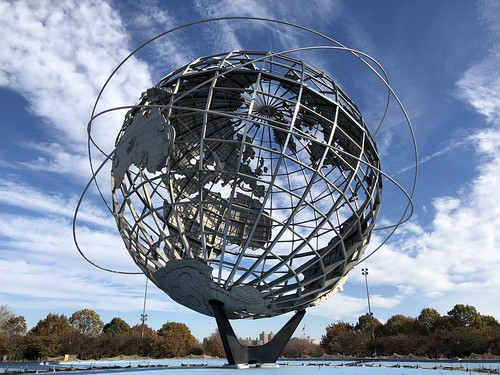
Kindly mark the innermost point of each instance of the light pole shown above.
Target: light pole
(364, 272)
(144, 316)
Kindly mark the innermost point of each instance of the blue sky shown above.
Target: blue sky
(443, 61)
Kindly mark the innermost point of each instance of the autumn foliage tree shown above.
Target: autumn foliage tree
(173, 340)
(114, 340)
(50, 337)
(87, 322)
(401, 325)
(460, 333)
(15, 326)
(337, 338)
(301, 347)
(368, 323)
(12, 331)
(213, 346)
(465, 316)
(116, 326)
(145, 336)
(428, 320)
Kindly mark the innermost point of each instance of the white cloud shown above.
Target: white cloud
(275, 37)
(58, 55)
(480, 87)
(451, 145)
(459, 252)
(347, 308)
(46, 267)
(53, 58)
(164, 54)
(39, 203)
(292, 10)
(55, 158)
(480, 84)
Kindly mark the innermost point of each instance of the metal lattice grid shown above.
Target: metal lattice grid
(247, 177)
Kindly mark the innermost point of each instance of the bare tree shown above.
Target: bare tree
(5, 315)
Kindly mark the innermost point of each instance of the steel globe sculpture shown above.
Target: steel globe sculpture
(249, 178)
(247, 185)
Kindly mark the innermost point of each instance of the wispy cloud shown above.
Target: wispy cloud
(266, 35)
(480, 88)
(344, 307)
(36, 202)
(46, 266)
(148, 19)
(53, 58)
(443, 150)
(480, 84)
(58, 55)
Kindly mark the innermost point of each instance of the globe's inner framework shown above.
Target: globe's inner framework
(249, 178)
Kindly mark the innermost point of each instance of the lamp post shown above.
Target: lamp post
(144, 316)
(364, 272)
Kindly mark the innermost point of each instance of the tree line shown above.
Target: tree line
(85, 336)
(460, 333)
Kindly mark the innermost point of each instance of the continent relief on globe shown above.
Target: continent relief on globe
(146, 143)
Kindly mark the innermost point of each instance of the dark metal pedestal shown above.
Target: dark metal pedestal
(241, 354)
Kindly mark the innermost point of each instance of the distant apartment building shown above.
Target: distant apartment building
(264, 338)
